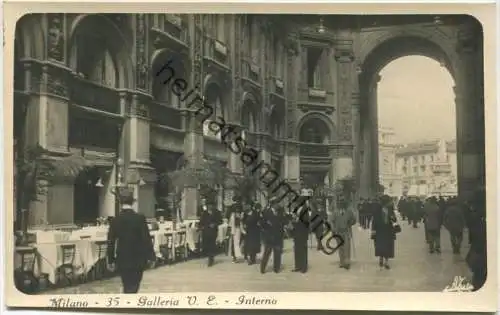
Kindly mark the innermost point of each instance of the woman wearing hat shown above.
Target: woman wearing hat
(384, 229)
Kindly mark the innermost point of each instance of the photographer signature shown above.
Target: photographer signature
(460, 284)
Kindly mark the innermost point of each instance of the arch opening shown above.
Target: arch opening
(407, 114)
(100, 52)
(314, 130)
(168, 70)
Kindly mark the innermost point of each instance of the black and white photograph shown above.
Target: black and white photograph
(160, 153)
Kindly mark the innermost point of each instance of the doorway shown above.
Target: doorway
(86, 197)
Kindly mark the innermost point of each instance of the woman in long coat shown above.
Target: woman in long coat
(252, 232)
(383, 231)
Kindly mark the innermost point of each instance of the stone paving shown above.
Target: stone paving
(413, 270)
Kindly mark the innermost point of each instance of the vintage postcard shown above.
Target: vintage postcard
(267, 156)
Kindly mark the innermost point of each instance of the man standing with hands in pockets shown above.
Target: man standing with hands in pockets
(129, 244)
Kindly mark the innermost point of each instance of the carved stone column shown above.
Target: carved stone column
(344, 56)
(342, 163)
(356, 139)
(368, 127)
(470, 110)
(291, 89)
(291, 163)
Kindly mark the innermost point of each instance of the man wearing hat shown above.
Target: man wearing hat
(273, 224)
(129, 243)
(210, 219)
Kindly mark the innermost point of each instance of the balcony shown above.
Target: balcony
(166, 116)
(216, 53)
(250, 71)
(250, 138)
(93, 95)
(314, 150)
(169, 30)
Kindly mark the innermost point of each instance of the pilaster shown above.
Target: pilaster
(344, 55)
(470, 110)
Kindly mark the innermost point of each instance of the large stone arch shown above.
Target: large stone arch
(380, 48)
(119, 44)
(442, 40)
(332, 136)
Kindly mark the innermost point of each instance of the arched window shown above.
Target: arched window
(314, 131)
(276, 127)
(248, 119)
(95, 62)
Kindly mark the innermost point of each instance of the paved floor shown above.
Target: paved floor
(413, 269)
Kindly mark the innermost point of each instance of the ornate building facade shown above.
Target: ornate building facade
(303, 87)
(428, 168)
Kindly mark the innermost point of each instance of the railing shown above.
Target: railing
(314, 150)
(165, 115)
(250, 70)
(96, 132)
(251, 138)
(93, 95)
(274, 145)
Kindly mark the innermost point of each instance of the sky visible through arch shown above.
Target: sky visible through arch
(416, 99)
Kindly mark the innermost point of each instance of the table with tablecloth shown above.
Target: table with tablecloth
(49, 252)
(49, 257)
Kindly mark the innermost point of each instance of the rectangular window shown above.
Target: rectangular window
(221, 28)
(314, 78)
(278, 59)
(254, 41)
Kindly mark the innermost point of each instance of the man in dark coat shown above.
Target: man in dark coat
(300, 224)
(432, 221)
(454, 222)
(273, 223)
(251, 226)
(129, 235)
(210, 220)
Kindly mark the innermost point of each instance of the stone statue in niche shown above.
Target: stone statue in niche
(56, 37)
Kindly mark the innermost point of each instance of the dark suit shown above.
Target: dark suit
(273, 224)
(252, 237)
(209, 224)
(129, 234)
(300, 236)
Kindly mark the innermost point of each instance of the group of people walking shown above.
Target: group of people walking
(254, 227)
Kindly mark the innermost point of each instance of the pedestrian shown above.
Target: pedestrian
(384, 229)
(454, 222)
(252, 232)
(316, 214)
(476, 257)
(342, 221)
(273, 223)
(300, 232)
(432, 222)
(210, 220)
(236, 237)
(130, 246)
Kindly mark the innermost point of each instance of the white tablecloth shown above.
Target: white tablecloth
(50, 257)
